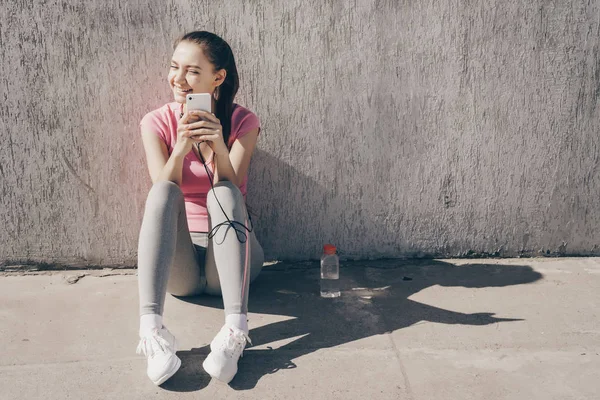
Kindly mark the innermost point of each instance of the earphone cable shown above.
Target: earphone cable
(233, 223)
(229, 222)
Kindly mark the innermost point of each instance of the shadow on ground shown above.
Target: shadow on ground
(375, 300)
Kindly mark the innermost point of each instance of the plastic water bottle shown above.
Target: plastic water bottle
(330, 272)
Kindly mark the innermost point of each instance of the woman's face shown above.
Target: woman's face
(191, 72)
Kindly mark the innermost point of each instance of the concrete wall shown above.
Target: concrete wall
(390, 128)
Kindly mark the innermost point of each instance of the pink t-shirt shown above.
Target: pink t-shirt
(195, 183)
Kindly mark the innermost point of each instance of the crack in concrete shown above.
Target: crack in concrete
(407, 387)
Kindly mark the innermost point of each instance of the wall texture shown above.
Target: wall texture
(390, 128)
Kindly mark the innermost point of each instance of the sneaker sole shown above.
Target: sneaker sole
(210, 367)
(169, 374)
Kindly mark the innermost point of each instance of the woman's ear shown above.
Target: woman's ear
(220, 77)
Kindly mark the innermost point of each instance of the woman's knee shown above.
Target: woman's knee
(162, 193)
(223, 191)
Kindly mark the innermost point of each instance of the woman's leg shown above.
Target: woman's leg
(230, 264)
(167, 259)
(229, 268)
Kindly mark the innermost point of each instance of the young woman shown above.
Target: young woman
(196, 235)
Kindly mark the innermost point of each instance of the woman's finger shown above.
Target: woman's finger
(199, 132)
(185, 118)
(183, 130)
(202, 133)
(188, 117)
(203, 124)
(205, 114)
(192, 126)
(204, 138)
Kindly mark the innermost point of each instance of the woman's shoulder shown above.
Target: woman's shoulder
(243, 119)
(160, 120)
(241, 111)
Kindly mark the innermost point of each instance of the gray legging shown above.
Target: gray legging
(184, 263)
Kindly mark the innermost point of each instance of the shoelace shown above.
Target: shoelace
(152, 343)
(234, 341)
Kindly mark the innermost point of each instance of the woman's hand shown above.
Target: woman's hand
(207, 130)
(184, 142)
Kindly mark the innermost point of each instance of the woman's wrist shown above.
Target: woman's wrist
(223, 168)
(178, 152)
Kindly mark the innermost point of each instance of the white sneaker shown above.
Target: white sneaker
(226, 349)
(160, 346)
(222, 337)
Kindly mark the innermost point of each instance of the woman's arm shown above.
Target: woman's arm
(233, 166)
(160, 166)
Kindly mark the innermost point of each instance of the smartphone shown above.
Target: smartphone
(199, 101)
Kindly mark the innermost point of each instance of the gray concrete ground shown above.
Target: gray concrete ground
(417, 329)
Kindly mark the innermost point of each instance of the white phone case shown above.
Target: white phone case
(199, 101)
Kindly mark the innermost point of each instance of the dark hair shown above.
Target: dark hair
(220, 55)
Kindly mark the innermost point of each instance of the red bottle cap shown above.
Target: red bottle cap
(329, 249)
